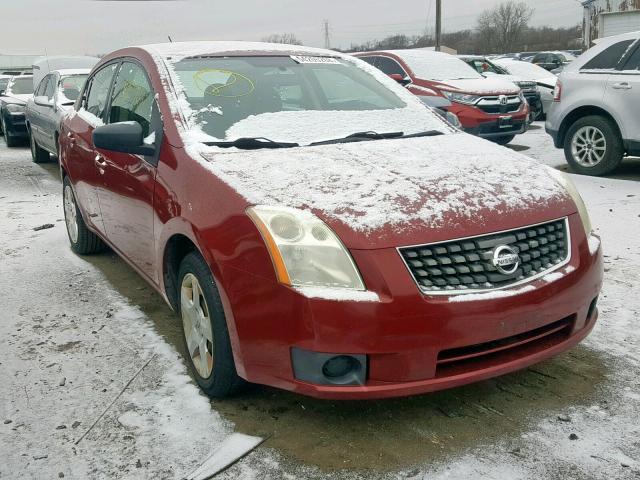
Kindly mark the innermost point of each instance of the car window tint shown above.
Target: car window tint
(608, 58)
(49, 87)
(41, 87)
(390, 66)
(634, 61)
(132, 98)
(96, 101)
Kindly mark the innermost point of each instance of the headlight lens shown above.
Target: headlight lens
(14, 108)
(465, 98)
(304, 250)
(571, 189)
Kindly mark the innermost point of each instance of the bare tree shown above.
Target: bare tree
(501, 28)
(288, 38)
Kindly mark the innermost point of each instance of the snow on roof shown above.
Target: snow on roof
(402, 182)
(430, 65)
(73, 71)
(527, 70)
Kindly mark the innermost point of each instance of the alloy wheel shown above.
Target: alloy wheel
(588, 146)
(197, 325)
(70, 214)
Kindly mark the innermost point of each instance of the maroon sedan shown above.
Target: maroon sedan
(317, 228)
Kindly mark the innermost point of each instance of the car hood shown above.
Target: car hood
(389, 193)
(549, 82)
(483, 86)
(20, 99)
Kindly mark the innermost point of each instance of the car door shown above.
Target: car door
(79, 152)
(128, 181)
(48, 114)
(623, 94)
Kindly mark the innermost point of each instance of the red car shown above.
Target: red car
(317, 228)
(490, 107)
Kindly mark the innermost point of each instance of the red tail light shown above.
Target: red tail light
(557, 92)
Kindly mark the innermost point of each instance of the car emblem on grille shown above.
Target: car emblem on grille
(505, 259)
(503, 99)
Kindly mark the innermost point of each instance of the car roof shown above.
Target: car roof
(232, 48)
(616, 38)
(472, 57)
(73, 71)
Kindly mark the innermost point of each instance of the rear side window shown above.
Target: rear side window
(390, 66)
(608, 58)
(96, 101)
(634, 61)
(132, 98)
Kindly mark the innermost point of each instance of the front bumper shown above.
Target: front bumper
(15, 124)
(485, 125)
(413, 343)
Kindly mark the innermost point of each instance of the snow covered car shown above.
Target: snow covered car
(594, 116)
(12, 106)
(545, 80)
(317, 228)
(55, 95)
(488, 107)
(529, 88)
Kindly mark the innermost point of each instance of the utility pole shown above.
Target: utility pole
(438, 25)
(325, 29)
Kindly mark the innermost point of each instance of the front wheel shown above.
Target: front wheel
(593, 146)
(9, 139)
(83, 241)
(38, 154)
(205, 329)
(503, 140)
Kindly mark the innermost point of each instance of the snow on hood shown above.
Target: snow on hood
(407, 184)
(23, 98)
(484, 86)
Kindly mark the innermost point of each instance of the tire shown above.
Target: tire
(9, 139)
(38, 154)
(593, 146)
(503, 140)
(83, 241)
(205, 329)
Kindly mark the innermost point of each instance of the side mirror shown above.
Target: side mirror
(401, 79)
(43, 101)
(125, 137)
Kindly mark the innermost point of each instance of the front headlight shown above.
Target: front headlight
(15, 108)
(571, 189)
(304, 250)
(465, 98)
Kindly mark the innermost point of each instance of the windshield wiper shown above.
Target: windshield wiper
(364, 136)
(252, 143)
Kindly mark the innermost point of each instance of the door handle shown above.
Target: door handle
(101, 163)
(621, 86)
(71, 138)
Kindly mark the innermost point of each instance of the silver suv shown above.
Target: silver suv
(594, 116)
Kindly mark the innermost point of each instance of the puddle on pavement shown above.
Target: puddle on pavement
(391, 434)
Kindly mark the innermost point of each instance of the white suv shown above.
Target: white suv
(594, 116)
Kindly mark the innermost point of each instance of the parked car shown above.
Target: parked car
(544, 79)
(552, 60)
(316, 228)
(55, 95)
(525, 56)
(12, 106)
(4, 81)
(529, 88)
(487, 107)
(594, 117)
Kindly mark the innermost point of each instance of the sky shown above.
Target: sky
(100, 26)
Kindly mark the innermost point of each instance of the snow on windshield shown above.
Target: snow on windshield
(430, 65)
(283, 97)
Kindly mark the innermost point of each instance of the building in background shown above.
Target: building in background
(17, 64)
(604, 18)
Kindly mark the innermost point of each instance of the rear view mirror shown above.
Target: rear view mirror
(125, 137)
(401, 79)
(43, 101)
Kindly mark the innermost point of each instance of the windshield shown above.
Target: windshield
(69, 88)
(430, 65)
(284, 98)
(22, 86)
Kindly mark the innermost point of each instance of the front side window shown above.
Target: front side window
(42, 86)
(609, 58)
(390, 66)
(132, 98)
(96, 101)
(49, 87)
(21, 86)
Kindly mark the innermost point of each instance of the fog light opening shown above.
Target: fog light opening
(592, 308)
(340, 366)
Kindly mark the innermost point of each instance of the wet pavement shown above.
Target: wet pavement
(515, 426)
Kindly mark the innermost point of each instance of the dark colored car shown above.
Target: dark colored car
(12, 109)
(317, 228)
(552, 60)
(55, 95)
(487, 107)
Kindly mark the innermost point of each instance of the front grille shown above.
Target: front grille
(457, 361)
(493, 105)
(467, 265)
